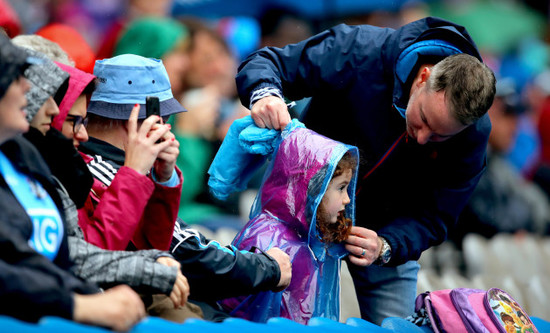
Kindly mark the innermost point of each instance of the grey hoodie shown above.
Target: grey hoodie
(138, 269)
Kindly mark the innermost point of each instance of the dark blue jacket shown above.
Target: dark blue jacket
(355, 79)
(31, 286)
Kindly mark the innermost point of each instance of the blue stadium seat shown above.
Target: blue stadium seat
(57, 324)
(542, 325)
(274, 325)
(285, 324)
(154, 324)
(9, 324)
(245, 326)
(332, 325)
(400, 325)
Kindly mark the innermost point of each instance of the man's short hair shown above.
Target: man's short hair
(98, 123)
(469, 86)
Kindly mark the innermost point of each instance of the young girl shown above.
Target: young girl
(305, 207)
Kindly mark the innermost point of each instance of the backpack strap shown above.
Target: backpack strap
(469, 311)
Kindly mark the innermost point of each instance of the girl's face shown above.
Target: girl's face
(336, 197)
(12, 110)
(42, 121)
(72, 126)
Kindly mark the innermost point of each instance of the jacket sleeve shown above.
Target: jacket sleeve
(308, 67)
(111, 216)
(215, 272)
(138, 269)
(159, 217)
(31, 286)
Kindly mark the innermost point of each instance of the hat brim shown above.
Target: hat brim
(122, 111)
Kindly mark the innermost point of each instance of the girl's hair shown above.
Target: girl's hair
(339, 231)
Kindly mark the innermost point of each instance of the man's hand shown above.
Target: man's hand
(119, 308)
(180, 291)
(270, 112)
(364, 246)
(284, 264)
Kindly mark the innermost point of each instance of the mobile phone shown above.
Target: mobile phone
(152, 106)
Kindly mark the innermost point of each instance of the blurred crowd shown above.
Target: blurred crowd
(201, 53)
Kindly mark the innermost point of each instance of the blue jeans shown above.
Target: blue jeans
(385, 291)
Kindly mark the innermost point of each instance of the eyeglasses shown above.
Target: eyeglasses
(78, 122)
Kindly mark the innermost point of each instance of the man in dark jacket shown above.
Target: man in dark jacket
(414, 101)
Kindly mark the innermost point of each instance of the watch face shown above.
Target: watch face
(386, 256)
(386, 252)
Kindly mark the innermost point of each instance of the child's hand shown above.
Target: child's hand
(284, 264)
(364, 246)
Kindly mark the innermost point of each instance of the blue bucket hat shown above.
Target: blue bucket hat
(126, 80)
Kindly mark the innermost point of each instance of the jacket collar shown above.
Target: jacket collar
(423, 41)
(98, 147)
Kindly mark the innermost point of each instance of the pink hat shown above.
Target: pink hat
(78, 82)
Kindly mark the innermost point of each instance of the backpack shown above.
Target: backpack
(472, 311)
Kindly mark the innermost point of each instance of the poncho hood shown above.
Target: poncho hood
(297, 180)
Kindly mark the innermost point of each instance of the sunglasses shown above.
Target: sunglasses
(78, 122)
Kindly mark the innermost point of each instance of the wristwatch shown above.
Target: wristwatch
(385, 253)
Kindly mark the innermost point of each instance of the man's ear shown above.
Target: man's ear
(421, 77)
(424, 73)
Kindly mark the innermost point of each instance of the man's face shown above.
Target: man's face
(428, 118)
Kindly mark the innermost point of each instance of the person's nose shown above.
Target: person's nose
(346, 200)
(423, 136)
(52, 109)
(81, 135)
(25, 84)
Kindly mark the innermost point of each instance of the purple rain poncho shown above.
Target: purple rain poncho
(284, 216)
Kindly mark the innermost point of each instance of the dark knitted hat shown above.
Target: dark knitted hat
(13, 61)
